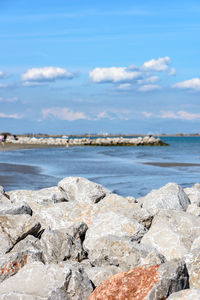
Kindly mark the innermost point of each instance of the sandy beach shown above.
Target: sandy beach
(171, 164)
(11, 146)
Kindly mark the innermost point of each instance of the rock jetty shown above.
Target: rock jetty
(86, 141)
(79, 241)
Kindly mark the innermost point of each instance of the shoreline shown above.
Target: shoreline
(13, 147)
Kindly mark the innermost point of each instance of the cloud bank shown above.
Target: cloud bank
(193, 84)
(141, 78)
(46, 74)
(113, 74)
(63, 113)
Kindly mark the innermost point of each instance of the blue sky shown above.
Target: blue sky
(99, 66)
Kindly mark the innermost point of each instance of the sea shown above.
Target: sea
(127, 171)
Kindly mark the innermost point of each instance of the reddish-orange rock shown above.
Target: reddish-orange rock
(132, 285)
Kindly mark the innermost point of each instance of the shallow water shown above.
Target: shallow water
(120, 169)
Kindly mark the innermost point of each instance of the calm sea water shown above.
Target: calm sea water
(120, 169)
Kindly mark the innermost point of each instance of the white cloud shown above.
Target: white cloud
(3, 85)
(172, 72)
(124, 86)
(10, 116)
(183, 115)
(160, 64)
(113, 74)
(3, 75)
(193, 84)
(149, 87)
(12, 99)
(46, 74)
(33, 83)
(150, 79)
(111, 114)
(63, 113)
(147, 114)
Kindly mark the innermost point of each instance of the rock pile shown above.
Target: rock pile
(78, 241)
(106, 141)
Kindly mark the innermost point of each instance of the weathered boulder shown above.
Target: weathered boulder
(113, 224)
(2, 191)
(194, 210)
(188, 294)
(192, 261)
(81, 189)
(15, 228)
(47, 282)
(13, 261)
(43, 196)
(196, 243)
(122, 252)
(171, 196)
(8, 207)
(64, 245)
(194, 194)
(123, 206)
(60, 216)
(172, 233)
(98, 274)
(146, 282)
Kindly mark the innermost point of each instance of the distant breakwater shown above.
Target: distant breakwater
(107, 141)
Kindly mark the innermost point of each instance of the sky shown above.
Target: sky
(75, 67)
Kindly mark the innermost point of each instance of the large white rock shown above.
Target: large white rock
(194, 194)
(47, 282)
(192, 260)
(81, 189)
(123, 206)
(188, 294)
(172, 233)
(98, 274)
(121, 252)
(113, 224)
(13, 208)
(64, 245)
(171, 196)
(14, 228)
(43, 196)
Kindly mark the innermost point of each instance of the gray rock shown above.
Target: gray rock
(98, 274)
(46, 281)
(43, 196)
(196, 243)
(2, 191)
(173, 277)
(171, 196)
(7, 207)
(121, 252)
(192, 261)
(123, 206)
(16, 228)
(81, 189)
(12, 262)
(194, 194)
(188, 294)
(113, 224)
(64, 245)
(194, 210)
(172, 233)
